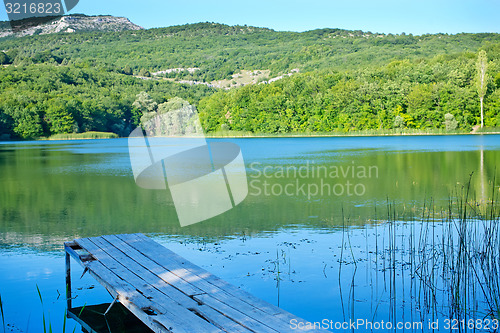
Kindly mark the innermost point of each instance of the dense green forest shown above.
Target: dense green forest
(348, 80)
(401, 94)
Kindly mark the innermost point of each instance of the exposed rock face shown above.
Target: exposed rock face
(73, 23)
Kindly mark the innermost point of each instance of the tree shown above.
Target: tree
(6, 124)
(175, 103)
(482, 80)
(450, 122)
(144, 73)
(4, 59)
(399, 122)
(59, 119)
(127, 70)
(28, 124)
(145, 103)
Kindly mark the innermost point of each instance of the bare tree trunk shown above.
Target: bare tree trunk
(482, 82)
(482, 116)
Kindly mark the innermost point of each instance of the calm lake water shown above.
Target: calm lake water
(284, 243)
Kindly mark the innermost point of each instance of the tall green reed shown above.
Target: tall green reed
(443, 264)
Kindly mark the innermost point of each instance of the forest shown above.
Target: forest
(347, 81)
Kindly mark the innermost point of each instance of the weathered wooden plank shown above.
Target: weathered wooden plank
(249, 310)
(144, 279)
(169, 315)
(222, 304)
(163, 257)
(230, 301)
(148, 264)
(214, 286)
(220, 320)
(147, 283)
(146, 275)
(234, 314)
(69, 250)
(203, 279)
(70, 244)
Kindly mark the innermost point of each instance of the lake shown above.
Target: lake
(311, 236)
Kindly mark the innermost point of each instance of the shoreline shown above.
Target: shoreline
(268, 136)
(341, 135)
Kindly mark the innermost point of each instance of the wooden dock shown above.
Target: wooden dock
(168, 293)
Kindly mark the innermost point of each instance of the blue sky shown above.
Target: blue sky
(388, 16)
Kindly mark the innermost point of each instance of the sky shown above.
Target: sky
(388, 16)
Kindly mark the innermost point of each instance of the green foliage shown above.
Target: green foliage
(81, 136)
(220, 50)
(420, 98)
(145, 103)
(144, 73)
(127, 70)
(44, 99)
(349, 81)
(450, 122)
(58, 117)
(45, 330)
(489, 130)
(175, 103)
(399, 122)
(28, 123)
(492, 109)
(413, 95)
(4, 59)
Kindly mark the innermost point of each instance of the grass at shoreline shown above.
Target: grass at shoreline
(404, 132)
(80, 136)
(243, 134)
(488, 130)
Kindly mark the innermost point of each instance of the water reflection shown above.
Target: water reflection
(52, 192)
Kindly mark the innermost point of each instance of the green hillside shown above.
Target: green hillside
(347, 80)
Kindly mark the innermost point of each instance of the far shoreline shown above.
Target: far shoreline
(266, 136)
(342, 135)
